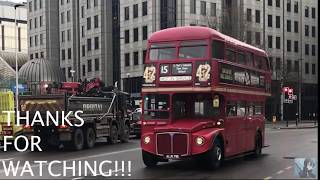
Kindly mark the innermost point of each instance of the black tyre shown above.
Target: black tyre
(114, 135)
(126, 134)
(90, 138)
(149, 160)
(258, 146)
(214, 157)
(77, 142)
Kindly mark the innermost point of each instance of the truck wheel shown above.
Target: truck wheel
(113, 138)
(126, 134)
(148, 159)
(90, 138)
(77, 142)
(214, 157)
(258, 146)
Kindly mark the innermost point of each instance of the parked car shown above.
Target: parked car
(135, 122)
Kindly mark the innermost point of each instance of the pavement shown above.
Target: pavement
(292, 124)
(276, 162)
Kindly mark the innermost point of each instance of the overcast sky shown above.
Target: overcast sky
(17, 1)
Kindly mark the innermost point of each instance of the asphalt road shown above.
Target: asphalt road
(276, 162)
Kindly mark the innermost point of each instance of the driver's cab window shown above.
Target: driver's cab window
(231, 108)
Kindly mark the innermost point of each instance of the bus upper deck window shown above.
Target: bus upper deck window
(249, 59)
(193, 49)
(241, 58)
(230, 55)
(162, 52)
(217, 49)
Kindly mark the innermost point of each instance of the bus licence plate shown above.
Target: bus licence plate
(172, 156)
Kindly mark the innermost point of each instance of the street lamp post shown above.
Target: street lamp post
(16, 53)
(72, 74)
(129, 84)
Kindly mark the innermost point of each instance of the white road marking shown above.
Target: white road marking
(266, 178)
(82, 158)
(280, 172)
(77, 178)
(289, 167)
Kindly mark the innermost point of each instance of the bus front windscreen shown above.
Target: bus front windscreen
(156, 107)
(162, 52)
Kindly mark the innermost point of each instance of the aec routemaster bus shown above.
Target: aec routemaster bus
(203, 96)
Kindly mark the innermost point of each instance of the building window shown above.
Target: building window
(126, 36)
(89, 65)
(296, 46)
(30, 41)
(168, 13)
(203, 8)
(82, 11)
(88, 4)
(289, 45)
(296, 66)
(313, 69)
(269, 2)
(68, 16)
(41, 39)
(269, 20)
(36, 40)
(277, 3)
(144, 54)
(193, 6)
(269, 41)
(62, 36)
(88, 23)
(289, 65)
(35, 23)
(96, 65)
(69, 72)
(288, 26)
(278, 42)
(289, 5)
(62, 2)
(144, 8)
(313, 13)
(135, 34)
(30, 24)
(135, 11)
(278, 63)
(306, 68)
(95, 3)
(306, 11)
(69, 35)
(69, 53)
(313, 31)
(257, 16)
(313, 50)
(83, 70)
(249, 37)
(306, 30)
(96, 43)
(35, 5)
(296, 26)
(31, 56)
(144, 32)
(63, 54)
(213, 9)
(83, 50)
(89, 44)
(62, 18)
(249, 15)
(127, 59)
(277, 22)
(306, 49)
(82, 31)
(136, 58)
(40, 21)
(96, 21)
(126, 13)
(30, 6)
(296, 7)
(257, 37)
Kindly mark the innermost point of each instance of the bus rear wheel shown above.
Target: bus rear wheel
(149, 160)
(77, 142)
(90, 138)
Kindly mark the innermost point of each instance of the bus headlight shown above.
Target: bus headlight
(199, 140)
(146, 140)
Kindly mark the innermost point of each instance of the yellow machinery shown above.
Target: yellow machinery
(7, 104)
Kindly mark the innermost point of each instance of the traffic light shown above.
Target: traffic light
(285, 89)
(290, 92)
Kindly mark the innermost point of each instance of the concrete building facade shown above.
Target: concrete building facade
(140, 18)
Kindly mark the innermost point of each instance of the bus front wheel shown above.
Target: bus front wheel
(149, 160)
(214, 157)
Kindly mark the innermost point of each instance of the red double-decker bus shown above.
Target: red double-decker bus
(203, 96)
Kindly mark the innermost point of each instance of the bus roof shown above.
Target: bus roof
(196, 32)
